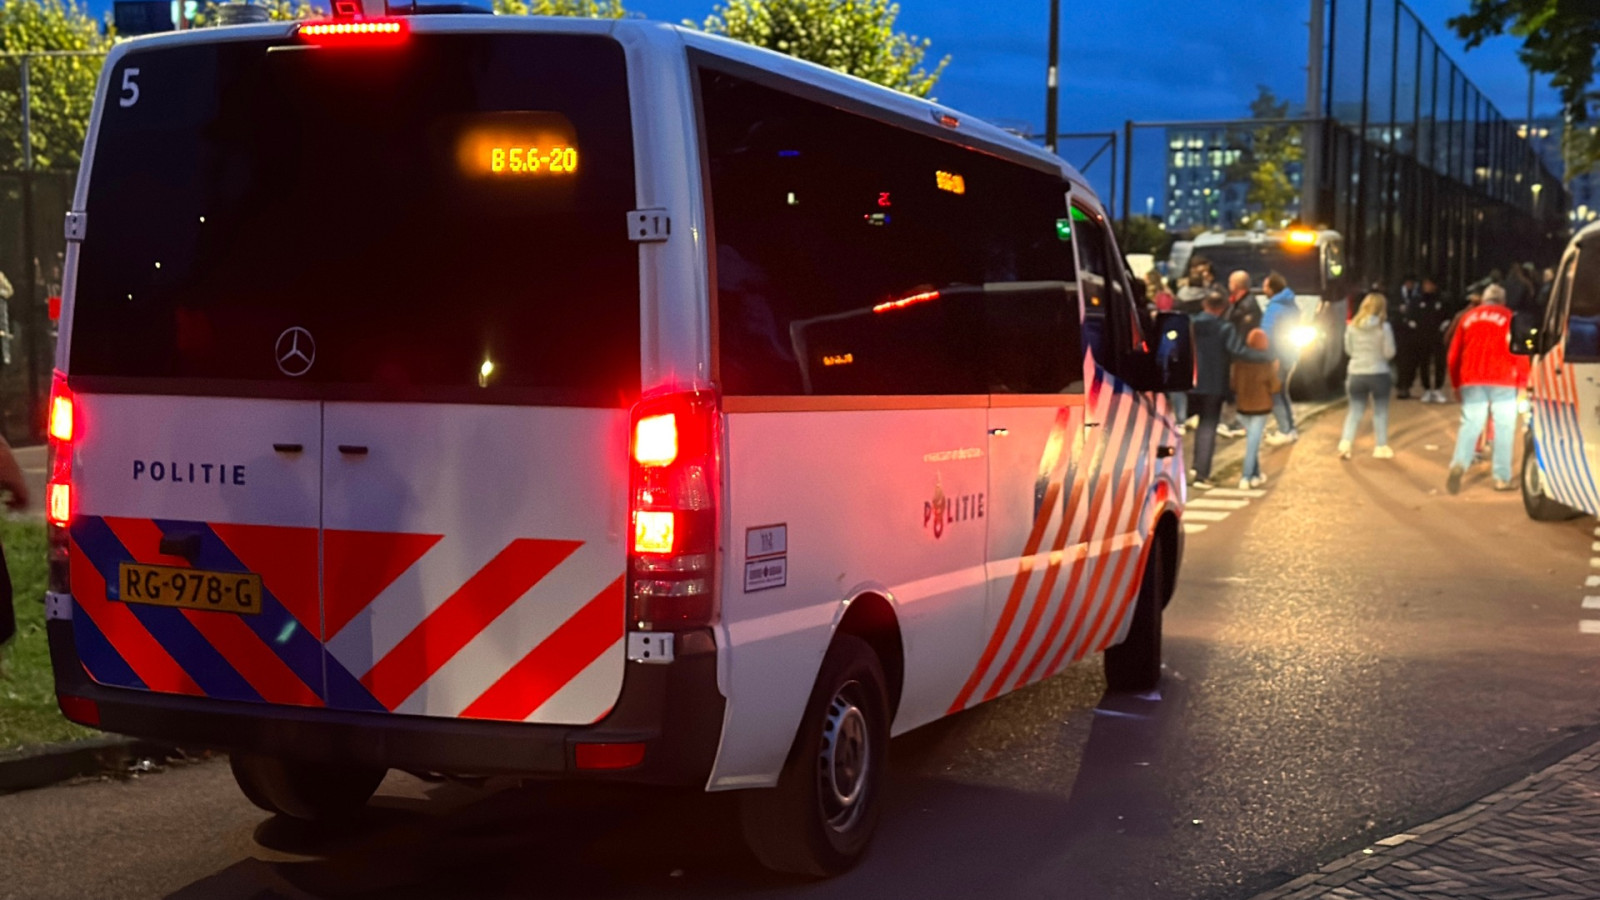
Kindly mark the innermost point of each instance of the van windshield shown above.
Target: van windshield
(447, 214)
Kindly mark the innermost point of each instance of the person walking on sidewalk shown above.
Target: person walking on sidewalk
(1255, 384)
(1216, 345)
(1488, 377)
(1279, 321)
(1370, 344)
(1244, 314)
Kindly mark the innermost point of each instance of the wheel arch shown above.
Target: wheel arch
(871, 615)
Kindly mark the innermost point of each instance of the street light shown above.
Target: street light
(1149, 207)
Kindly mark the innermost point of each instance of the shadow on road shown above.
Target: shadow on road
(940, 837)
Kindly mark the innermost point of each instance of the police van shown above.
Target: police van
(466, 395)
(1561, 450)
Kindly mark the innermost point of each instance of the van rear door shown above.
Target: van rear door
(412, 252)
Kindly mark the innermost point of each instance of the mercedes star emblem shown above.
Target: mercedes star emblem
(296, 351)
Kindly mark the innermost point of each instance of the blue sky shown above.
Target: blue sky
(1144, 59)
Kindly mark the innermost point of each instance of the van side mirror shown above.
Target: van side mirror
(1528, 335)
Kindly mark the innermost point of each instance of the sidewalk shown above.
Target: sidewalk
(1538, 838)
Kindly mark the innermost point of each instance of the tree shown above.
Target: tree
(1146, 234)
(61, 88)
(1267, 155)
(856, 37)
(592, 9)
(1559, 39)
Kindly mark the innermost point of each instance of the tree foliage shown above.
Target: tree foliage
(1268, 154)
(1146, 234)
(853, 36)
(1559, 39)
(61, 88)
(592, 9)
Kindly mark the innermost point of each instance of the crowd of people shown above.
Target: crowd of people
(1412, 337)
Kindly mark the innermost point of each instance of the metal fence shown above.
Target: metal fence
(44, 104)
(1400, 152)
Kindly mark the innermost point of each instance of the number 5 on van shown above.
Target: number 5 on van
(724, 508)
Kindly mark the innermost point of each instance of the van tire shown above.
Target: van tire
(805, 825)
(1540, 508)
(1135, 664)
(306, 791)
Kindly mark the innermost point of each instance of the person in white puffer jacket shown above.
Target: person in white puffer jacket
(1369, 341)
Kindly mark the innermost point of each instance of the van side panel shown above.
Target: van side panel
(855, 492)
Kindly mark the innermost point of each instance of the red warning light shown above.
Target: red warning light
(883, 199)
(363, 33)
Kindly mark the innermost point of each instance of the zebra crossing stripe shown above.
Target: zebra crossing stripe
(1207, 503)
(1589, 626)
(1194, 527)
(1591, 603)
(1258, 492)
(1204, 515)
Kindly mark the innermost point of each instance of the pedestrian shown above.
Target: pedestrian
(1244, 314)
(1474, 298)
(12, 482)
(1156, 287)
(1488, 377)
(1216, 346)
(1432, 317)
(1521, 292)
(1407, 340)
(1278, 321)
(1370, 343)
(1192, 293)
(1255, 384)
(1547, 283)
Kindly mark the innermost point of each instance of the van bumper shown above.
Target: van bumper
(674, 709)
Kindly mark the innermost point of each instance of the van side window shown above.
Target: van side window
(1583, 306)
(857, 257)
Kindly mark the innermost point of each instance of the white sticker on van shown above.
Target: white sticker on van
(761, 574)
(767, 540)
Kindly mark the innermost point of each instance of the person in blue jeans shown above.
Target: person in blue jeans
(1278, 321)
(1488, 377)
(1216, 345)
(1369, 342)
(1254, 384)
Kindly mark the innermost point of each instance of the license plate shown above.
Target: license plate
(235, 592)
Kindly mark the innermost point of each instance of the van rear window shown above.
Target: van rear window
(449, 212)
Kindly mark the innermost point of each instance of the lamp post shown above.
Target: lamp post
(1050, 78)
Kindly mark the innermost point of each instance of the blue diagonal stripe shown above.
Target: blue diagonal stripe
(105, 664)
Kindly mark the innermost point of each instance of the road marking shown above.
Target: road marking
(1207, 503)
(1589, 626)
(1202, 515)
(1594, 581)
(1594, 562)
(1591, 603)
(1255, 492)
(1194, 527)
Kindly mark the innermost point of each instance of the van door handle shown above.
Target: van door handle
(1091, 424)
(288, 448)
(187, 547)
(353, 449)
(999, 432)
(1164, 452)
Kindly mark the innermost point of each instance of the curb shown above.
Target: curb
(42, 765)
(1397, 847)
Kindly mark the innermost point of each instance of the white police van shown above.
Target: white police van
(1561, 450)
(466, 394)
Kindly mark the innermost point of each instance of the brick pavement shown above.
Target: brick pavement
(1538, 839)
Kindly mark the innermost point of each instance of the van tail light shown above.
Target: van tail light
(63, 430)
(673, 458)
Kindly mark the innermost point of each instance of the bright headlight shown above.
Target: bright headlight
(1303, 336)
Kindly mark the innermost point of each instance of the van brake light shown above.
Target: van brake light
(673, 460)
(62, 430)
(359, 33)
(61, 417)
(59, 498)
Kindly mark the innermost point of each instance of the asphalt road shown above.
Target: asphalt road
(1351, 652)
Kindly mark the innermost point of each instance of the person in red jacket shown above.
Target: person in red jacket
(1487, 377)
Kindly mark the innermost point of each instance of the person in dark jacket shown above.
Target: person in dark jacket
(1407, 339)
(1216, 345)
(1431, 314)
(1244, 314)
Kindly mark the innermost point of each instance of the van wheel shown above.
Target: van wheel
(1540, 508)
(821, 816)
(1135, 664)
(300, 790)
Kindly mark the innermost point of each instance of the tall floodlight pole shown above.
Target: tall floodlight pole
(1311, 168)
(1050, 78)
